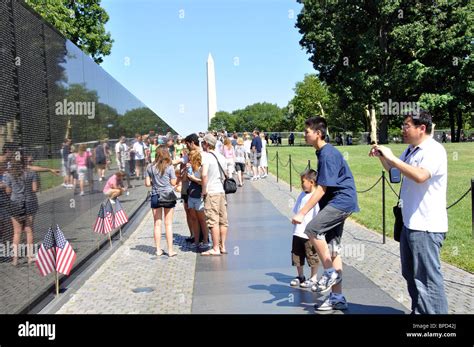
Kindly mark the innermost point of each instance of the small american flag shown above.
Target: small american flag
(55, 253)
(46, 259)
(109, 217)
(65, 255)
(104, 223)
(120, 216)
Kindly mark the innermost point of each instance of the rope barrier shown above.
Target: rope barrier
(373, 186)
(452, 205)
(393, 190)
(462, 197)
(298, 172)
(365, 191)
(282, 163)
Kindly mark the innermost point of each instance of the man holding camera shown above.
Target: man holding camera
(425, 219)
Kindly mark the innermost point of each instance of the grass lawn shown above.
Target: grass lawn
(48, 180)
(458, 248)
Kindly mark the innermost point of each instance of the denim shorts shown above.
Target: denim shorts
(196, 204)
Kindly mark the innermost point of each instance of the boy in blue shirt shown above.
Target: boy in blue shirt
(337, 198)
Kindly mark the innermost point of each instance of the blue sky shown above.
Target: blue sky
(161, 48)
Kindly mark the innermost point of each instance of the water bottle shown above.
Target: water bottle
(190, 170)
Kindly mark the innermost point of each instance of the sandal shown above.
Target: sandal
(210, 252)
(159, 254)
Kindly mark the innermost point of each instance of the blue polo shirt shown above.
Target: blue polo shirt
(257, 142)
(334, 173)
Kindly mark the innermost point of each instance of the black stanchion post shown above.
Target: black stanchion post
(383, 205)
(309, 164)
(289, 167)
(277, 164)
(472, 206)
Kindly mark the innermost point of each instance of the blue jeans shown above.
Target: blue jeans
(421, 268)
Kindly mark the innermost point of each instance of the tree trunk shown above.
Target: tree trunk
(373, 126)
(383, 132)
(451, 124)
(459, 124)
(367, 120)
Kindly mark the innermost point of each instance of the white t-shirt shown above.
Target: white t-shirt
(247, 144)
(219, 146)
(300, 202)
(117, 148)
(424, 204)
(139, 148)
(214, 182)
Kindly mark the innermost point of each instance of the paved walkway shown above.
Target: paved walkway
(380, 263)
(254, 277)
(135, 280)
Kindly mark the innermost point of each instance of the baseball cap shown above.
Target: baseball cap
(210, 139)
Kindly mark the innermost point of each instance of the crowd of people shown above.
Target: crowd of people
(195, 167)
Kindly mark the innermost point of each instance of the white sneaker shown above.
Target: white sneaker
(82, 194)
(333, 302)
(112, 201)
(64, 185)
(326, 282)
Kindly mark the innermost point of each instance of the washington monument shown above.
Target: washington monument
(211, 90)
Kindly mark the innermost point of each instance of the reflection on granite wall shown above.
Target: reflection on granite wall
(49, 90)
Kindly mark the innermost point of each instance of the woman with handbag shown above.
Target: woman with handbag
(161, 177)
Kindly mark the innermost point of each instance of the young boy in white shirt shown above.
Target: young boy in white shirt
(301, 247)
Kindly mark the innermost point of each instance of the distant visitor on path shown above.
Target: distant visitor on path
(337, 198)
(425, 219)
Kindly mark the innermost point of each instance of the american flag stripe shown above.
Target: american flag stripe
(120, 218)
(109, 223)
(98, 225)
(65, 254)
(66, 259)
(45, 260)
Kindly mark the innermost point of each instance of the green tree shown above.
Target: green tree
(372, 51)
(263, 116)
(437, 59)
(311, 99)
(222, 120)
(81, 21)
(141, 120)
